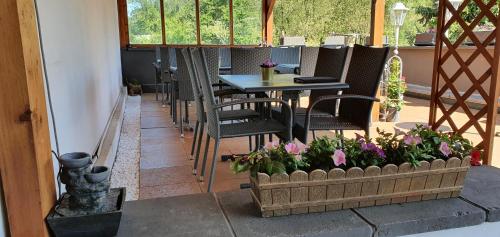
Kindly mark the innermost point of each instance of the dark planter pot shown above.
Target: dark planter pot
(65, 222)
(392, 115)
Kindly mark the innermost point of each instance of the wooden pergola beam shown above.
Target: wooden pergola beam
(268, 23)
(377, 22)
(25, 153)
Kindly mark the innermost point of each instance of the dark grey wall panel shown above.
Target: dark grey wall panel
(137, 64)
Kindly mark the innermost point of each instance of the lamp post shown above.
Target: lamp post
(398, 15)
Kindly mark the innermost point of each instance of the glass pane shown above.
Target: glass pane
(322, 19)
(180, 21)
(214, 21)
(144, 21)
(247, 21)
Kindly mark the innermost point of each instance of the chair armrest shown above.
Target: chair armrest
(336, 97)
(219, 84)
(251, 100)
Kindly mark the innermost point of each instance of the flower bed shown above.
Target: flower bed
(339, 173)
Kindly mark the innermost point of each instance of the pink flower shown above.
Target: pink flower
(271, 145)
(445, 149)
(339, 158)
(412, 140)
(295, 148)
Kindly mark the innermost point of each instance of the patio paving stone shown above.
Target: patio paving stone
(420, 217)
(192, 215)
(482, 187)
(245, 220)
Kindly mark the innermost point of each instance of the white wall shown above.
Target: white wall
(81, 45)
(82, 54)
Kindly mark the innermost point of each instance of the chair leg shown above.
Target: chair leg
(198, 148)
(204, 163)
(250, 143)
(186, 109)
(194, 137)
(367, 132)
(181, 119)
(314, 134)
(214, 163)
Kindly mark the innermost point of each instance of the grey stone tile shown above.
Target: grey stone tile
(246, 222)
(482, 187)
(420, 217)
(156, 122)
(192, 215)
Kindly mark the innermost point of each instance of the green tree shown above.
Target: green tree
(144, 21)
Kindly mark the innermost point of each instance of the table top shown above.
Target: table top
(279, 82)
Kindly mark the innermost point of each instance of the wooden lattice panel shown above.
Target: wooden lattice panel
(483, 84)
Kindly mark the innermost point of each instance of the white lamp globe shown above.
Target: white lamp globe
(399, 13)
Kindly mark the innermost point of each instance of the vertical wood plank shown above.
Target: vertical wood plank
(335, 191)
(352, 189)
(26, 169)
(162, 15)
(301, 194)
(387, 186)
(281, 195)
(461, 176)
(418, 182)
(317, 193)
(402, 184)
(370, 187)
(433, 181)
(265, 197)
(123, 23)
(449, 178)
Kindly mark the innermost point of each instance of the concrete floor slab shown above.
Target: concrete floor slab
(420, 217)
(482, 187)
(246, 222)
(192, 215)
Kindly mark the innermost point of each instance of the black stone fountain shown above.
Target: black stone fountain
(89, 207)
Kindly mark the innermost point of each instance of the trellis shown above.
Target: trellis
(442, 82)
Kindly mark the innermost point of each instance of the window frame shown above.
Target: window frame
(125, 38)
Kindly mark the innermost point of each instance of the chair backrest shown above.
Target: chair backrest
(330, 63)
(157, 66)
(182, 76)
(212, 57)
(165, 60)
(286, 55)
(363, 76)
(308, 57)
(248, 60)
(172, 57)
(195, 84)
(201, 69)
(225, 57)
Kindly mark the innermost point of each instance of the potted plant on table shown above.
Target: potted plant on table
(340, 173)
(268, 69)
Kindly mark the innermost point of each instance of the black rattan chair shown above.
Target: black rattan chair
(218, 130)
(185, 89)
(308, 58)
(225, 115)
(330, 63)
(248, 60)
(365, 70)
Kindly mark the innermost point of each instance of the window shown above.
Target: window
(214, 21)
(183, 25)
(247, 22)
(180, 21)
(144, 21)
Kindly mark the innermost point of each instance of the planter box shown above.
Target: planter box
(318, 191)
(482, 36)
(64, 224)
(425, 39)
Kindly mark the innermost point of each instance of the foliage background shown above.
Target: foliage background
(313, 19)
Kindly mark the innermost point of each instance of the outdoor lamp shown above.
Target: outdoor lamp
(398, 17)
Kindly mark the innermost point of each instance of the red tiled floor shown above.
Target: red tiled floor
(166, 163)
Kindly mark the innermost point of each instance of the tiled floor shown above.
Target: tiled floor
(166, 165)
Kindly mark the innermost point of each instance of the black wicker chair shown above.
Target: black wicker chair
(248, 60)
(308, 58)
(225, 115)
(365, 70)
(184, 90)
(218, 130)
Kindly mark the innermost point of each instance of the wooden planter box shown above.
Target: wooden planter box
(318, 191)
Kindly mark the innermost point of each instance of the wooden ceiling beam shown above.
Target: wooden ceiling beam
(377, 22)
